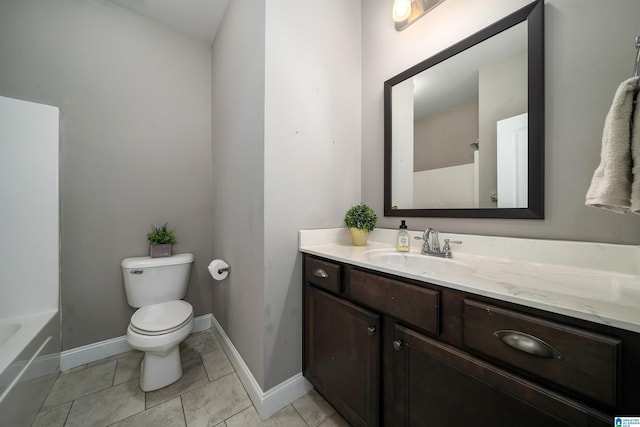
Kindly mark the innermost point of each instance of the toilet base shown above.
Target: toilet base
(161, 365)
(160, 369)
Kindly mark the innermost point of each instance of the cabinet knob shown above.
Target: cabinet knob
(320, 273)
(371, 330)
(397, 345)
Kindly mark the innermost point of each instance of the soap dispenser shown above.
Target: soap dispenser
(403, 238)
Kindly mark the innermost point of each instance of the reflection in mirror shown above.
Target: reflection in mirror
(457, 106)
(464, 136)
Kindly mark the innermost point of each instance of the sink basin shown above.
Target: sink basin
(418, 263)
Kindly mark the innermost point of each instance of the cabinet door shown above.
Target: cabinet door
(341, 357)
(439, 385)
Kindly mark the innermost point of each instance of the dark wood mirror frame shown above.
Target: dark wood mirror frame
(533, 14)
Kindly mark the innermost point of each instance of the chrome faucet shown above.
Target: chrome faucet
(435, 241)
(433, 248)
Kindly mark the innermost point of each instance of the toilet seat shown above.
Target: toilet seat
(162, 318)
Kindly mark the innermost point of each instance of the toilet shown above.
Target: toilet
(156, 287)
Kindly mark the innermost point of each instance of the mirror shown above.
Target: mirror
(464, 129)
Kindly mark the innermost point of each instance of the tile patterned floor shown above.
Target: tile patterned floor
(106, 393)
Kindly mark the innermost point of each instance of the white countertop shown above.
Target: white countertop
(597, 282)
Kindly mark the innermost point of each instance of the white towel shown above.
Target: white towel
(635, 156)
(611, 183)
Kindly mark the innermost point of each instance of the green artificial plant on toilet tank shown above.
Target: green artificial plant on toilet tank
(160, 241)
(360, 219)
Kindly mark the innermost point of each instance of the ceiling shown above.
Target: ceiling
(455, 81)
(196, 19)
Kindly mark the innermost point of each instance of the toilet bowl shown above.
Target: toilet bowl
(157, 330)
(163, 320)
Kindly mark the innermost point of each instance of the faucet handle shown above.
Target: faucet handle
(447, 241)
(447, 248)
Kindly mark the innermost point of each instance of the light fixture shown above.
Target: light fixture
(401, 10)
(406, 12)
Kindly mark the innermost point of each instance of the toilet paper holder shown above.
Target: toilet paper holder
(219, 269)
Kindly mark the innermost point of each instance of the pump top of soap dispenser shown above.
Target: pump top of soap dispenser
(402, 224)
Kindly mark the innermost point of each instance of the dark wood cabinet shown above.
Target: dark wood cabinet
(439, 385)
(411, 304)
(385, 350)
(582, 361)
(342, 355)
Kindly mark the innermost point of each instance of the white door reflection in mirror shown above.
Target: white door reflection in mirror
(512, 161)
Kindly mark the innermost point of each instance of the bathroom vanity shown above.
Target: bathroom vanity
(398, 340)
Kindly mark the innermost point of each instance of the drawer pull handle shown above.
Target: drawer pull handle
(528, 344)
(320, 273)
(397, 345)
(371, 330)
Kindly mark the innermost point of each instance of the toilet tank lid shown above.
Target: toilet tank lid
(146, 262)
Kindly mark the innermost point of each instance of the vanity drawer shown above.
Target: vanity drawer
(576, 359)
(323, 274)
(409, 303)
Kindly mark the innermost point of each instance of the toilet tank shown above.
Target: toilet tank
(154, 280)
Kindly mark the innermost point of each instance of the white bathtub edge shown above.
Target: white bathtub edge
(30, 326)
(25, 369)
(24, 384)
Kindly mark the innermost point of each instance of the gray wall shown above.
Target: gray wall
(312, 153)
(286, 150)
(135, 144)
(238, 175)
(442, 140)
(589, 51)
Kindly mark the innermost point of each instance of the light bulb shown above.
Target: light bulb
(401, 10)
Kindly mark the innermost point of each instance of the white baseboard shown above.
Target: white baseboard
(269, 402)
(92, 352)
(266, 403)
(201, 323)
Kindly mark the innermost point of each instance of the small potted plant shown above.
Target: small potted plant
(360, 220)
(160, 240)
